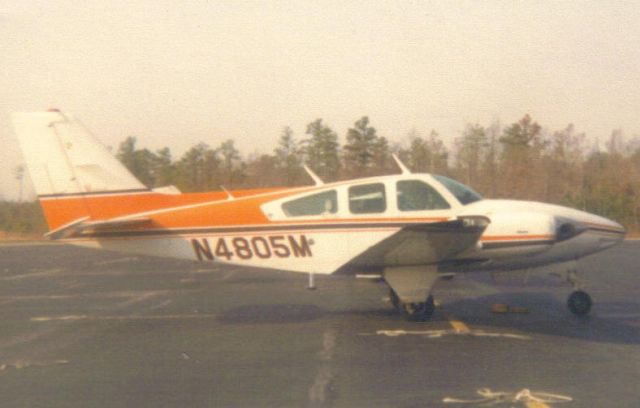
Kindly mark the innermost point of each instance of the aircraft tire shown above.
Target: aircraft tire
(579, 303)
(419, 312)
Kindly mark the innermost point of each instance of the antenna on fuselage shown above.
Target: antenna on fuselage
(229, 195)
(400, 164)
(314, 176)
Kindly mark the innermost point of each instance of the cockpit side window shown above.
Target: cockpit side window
(415, 195)
(463, 193)
(316, 204)
(368, 198)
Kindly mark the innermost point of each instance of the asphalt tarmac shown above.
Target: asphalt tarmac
(82, 328)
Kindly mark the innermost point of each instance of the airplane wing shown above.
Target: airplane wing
(83, 224)
(423, 244)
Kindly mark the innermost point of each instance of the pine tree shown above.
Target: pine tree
(190, 168)
(232, 165)
(288, 158)
(321, 150)
(139, 162)
(521, 165)
(359, 150)
(471, 149)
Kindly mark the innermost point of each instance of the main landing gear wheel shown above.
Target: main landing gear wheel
(419, 312)
(579, 303)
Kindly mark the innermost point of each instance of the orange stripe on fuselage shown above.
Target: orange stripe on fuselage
(62, 210)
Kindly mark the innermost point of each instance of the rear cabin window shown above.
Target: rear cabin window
(317, 204)
(366, 199)
(415, 195)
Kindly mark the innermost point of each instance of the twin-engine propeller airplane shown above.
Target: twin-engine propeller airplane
(410, 228)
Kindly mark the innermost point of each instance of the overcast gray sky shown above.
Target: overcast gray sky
(176, 73)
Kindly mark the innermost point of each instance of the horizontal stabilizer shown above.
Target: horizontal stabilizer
(82, 225)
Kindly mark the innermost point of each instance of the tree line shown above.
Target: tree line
(522, 160)
(21, 217)
(518, 161)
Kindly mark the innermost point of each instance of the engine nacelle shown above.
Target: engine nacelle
(521, 233)
(525, 234)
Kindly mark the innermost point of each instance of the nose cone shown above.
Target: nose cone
(597, 222)
(612, 226)
(570, 223)
(601, 231)
(605, 226)
(582, 233)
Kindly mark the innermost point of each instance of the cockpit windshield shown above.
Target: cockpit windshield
(463, 193)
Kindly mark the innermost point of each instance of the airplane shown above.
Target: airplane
(410, 228)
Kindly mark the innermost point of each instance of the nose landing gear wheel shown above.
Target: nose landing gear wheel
(419, 312)
(579, 303)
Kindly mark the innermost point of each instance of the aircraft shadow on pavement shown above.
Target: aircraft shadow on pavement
(272, 314)
(609, 322)
(301, 313)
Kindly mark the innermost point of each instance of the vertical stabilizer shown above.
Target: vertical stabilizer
(63, 157)
(67, 165)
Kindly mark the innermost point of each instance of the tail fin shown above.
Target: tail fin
(66, 161)
(64, 158)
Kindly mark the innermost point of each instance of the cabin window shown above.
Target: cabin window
(415, 195)
(369, 198)
(317, 204)
(463, 193)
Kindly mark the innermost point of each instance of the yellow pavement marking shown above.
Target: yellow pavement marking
(458, 325)
(537, 404)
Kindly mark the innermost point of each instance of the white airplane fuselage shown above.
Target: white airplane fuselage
(519, 235)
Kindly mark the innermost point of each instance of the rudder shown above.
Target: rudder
(66, 163)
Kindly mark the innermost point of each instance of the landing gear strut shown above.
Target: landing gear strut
(410, 288)
(579, 303)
